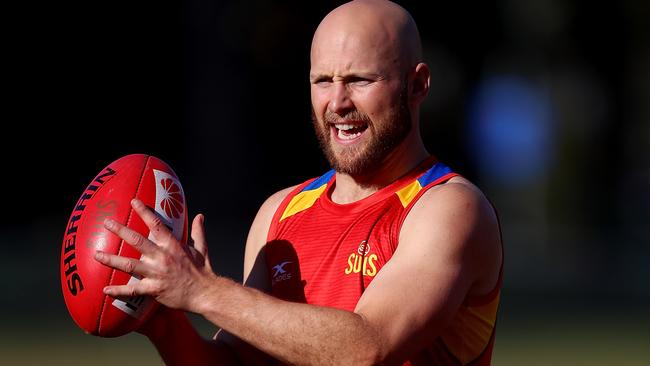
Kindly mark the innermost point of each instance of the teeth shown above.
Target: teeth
(347, 131)
(345, 127)
(347, 136)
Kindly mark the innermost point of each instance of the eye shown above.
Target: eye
(322, 81)
(359, 81)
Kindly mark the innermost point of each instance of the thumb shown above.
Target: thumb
(198, 235)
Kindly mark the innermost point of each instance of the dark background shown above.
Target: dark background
(219, 90)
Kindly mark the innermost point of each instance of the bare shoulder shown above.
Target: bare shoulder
(463, 225)
(459, 194)
(457, 200)
(272, 203)
(267, 210)
(265, 214)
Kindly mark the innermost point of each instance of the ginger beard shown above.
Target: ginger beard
(363, 159)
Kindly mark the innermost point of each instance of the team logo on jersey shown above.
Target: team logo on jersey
(362, 261)
(280, 274)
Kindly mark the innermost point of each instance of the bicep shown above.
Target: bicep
(412, 298)
(419, 290)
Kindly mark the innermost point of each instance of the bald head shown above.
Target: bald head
(381, 27)
(367, 81)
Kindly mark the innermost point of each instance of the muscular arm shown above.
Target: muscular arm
(447, 250)
(437, 264)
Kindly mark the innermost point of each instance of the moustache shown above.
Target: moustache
(351, 117)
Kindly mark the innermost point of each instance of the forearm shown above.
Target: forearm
(294, 333)
(178, 343)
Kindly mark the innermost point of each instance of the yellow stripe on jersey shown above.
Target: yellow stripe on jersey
(407, 193)
(302, 201)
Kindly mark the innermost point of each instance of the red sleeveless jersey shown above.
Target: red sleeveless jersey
(323, 253)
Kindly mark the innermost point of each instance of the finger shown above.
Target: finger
(124, 264)
(155, 224)
(125, 290)
(198, 235)
(135, 239)
(139, 288)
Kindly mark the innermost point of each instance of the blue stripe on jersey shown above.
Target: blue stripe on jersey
(433, 173)
(323, 179)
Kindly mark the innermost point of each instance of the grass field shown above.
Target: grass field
(573, 344)
(570, 342)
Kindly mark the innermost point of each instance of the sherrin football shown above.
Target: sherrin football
(109, 195)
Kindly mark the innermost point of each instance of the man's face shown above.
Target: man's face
(359, 102)
(340, 137)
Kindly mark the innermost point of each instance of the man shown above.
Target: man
(390, 258)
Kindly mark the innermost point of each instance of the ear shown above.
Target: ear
(420, 83)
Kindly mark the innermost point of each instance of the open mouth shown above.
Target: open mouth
(347, 132)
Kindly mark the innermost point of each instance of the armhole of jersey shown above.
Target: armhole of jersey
(408, 208)
(283, 206)
(479, 300)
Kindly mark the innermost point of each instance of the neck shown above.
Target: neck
(402, 160)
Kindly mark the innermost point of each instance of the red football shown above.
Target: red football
(109, 195)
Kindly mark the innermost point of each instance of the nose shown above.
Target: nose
(340, 102)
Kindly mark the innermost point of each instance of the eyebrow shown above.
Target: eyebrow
(352, 75)
(315, 77)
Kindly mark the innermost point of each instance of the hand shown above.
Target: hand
(173, 273)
